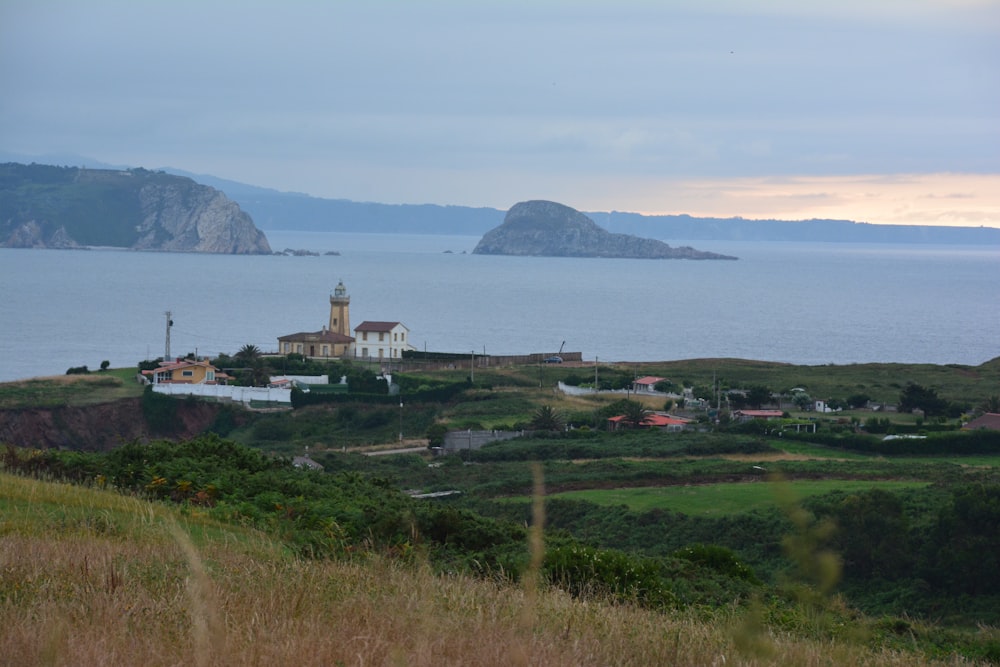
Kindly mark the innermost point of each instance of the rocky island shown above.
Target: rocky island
(547, 229)
(44, 206)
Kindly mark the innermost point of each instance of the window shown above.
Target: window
(210, 376)
(395, 336)
(381, 336)
(364, 352)
(187, 374)
(364, 336)
(326, 350)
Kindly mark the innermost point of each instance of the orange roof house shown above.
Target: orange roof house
(647, 383)
(654, 420)
(749, 415)
(186, 371)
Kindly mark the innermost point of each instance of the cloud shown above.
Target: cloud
(478, 102)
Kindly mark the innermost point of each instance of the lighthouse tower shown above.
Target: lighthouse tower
(340, 310)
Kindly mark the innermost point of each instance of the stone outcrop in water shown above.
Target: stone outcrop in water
(547, 229)
(43, 206)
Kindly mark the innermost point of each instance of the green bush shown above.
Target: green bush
(585, 571)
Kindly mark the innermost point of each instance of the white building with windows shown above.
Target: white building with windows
(381, 340)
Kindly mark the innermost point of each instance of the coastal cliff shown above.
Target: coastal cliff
(67, 207)
(547, 229)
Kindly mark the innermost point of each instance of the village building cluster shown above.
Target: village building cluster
(371, 340)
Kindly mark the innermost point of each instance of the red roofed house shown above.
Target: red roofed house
(186, 371)
(653, 420)
(381, 340)
(749, 415)
(988, 420)
(646, 384)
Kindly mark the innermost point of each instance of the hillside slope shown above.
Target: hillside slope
(67, 207)
(91, 577)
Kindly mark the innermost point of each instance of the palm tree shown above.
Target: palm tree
(249, 354)
(635, 414)
(546, 419)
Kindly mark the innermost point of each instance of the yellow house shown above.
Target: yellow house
(185, 371)
(322, 344)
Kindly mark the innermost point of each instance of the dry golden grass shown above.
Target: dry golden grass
(143, 592)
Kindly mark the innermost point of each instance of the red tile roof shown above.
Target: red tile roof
(763, 414)
(376, 326)
(649, 379)
(989, 420)
(324, 336)
(654, 420)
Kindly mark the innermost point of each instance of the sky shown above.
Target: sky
(883, 111)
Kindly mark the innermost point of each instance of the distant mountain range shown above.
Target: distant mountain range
(273, 210)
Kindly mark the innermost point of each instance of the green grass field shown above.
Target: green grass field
(716, 500)
(58, 390)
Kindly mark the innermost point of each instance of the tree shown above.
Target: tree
(249, 357)
(635, 414)
(855, 401)
(758, 396)
(249, 354)
(873, 536)
(991, 404)
(105, 364)
(916, 397)
(963, 552)
(435, 434)
(802, 400)
(546, 419)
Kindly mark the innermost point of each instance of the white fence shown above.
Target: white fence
(222, 391)
(303, 379)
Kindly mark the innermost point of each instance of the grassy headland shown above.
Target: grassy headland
(91, 577)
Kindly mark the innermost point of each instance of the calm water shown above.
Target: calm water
(800, 303)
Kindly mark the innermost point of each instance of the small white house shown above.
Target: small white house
(381, 340)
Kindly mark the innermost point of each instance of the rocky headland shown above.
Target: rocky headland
(44, 206)
(547, 229)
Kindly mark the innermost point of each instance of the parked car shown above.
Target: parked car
(553, 360)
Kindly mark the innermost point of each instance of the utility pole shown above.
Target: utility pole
(596, 386)
(166, 350)
(472, 368)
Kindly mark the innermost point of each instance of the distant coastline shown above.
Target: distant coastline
(274, 210)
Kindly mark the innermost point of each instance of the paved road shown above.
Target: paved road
(403, 450)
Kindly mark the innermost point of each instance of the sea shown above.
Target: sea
(801, 303)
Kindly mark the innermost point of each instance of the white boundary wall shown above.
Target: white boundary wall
(238, 394)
